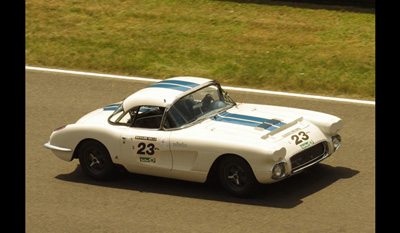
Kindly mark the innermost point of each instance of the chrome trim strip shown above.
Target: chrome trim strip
(51, 147)
(323, 156)
(297, 170)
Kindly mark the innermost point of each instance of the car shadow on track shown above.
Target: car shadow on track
(285, 194)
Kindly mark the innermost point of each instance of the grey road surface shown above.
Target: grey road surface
(337, 195)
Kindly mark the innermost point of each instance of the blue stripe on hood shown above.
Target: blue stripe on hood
(264, 123)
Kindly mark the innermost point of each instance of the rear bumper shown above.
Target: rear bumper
(61, 152)
(51, 147)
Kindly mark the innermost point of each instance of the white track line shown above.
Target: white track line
(225, 87)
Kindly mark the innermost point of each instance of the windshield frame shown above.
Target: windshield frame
(118, 110)
(222, 93)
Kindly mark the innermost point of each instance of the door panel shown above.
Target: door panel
(184, 150)
(146, 148)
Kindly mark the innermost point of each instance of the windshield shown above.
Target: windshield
(201, 104)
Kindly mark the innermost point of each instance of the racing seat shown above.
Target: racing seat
(150, 120)
(185, 106)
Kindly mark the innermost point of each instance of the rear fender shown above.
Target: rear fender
(73, 135)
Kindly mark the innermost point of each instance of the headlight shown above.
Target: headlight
(279, 170)
(336, 141)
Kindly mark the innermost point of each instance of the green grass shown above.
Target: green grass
(268, 46)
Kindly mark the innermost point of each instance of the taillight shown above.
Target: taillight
(59, 128)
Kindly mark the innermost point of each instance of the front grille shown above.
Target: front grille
(308, 156)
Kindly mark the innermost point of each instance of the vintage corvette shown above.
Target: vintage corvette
(186, 127)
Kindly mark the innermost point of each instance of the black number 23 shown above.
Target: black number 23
(300, 137)
(142, 146)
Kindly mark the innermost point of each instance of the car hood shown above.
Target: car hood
(263, 121)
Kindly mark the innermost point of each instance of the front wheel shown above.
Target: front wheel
(95, 160)
(236, 177)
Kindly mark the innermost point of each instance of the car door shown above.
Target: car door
(183, 149)
(146, 148)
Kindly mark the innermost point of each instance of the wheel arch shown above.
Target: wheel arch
(76, 151)
(245, 184)
(213, 172)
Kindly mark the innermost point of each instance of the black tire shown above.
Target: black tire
(237, 177)
(95, 160)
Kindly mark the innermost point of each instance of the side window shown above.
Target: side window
(148, 117)
(175, 118)
(126, 119)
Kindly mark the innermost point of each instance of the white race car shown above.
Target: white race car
(186, 127)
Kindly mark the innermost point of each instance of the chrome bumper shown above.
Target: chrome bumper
(51, 147)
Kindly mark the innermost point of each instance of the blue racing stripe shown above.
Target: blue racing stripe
(170, 86)
(267, 126)
(270, 124)
(182, 83)
(235, 121)
(111, 107)
(251, 118)
(176, 85)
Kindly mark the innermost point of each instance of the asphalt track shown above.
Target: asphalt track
(337, 195)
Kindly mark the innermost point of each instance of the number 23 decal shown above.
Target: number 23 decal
(300, 137)
(142, 146)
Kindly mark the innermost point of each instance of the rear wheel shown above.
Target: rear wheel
(95, 160)
(236, 177)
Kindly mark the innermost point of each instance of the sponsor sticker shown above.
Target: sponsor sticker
(164, 142)
(307, 144)
(178, 144)
(145, 138)
(147, 160)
